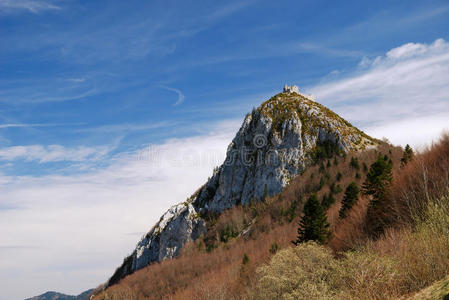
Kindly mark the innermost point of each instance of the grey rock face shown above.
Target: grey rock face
(274, 144)
(179, 225)
(176, 227)
(259, 161)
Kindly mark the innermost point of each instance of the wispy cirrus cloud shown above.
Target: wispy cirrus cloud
(76, 80)
(53, 153)
(16, 96)
(181, 96)
(62, 98)
(228, 9)
(32, 6)
(127, 127)
(25, 125)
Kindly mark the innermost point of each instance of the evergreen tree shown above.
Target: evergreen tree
(354, 163)
(333, 188)
(327, 200)
(291, 212)
(321, 184)
(407, 155)
(365, 168)
(378, 179)
(313, 225)
(350, 198)
(339, 176)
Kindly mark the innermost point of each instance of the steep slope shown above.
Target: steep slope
(276, 142)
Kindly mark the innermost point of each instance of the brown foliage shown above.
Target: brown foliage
(421, 180)
(197, 274)
(211, 267)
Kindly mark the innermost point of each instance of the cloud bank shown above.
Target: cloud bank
(403, 94)
(68, 233)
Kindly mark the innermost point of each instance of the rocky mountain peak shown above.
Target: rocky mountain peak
(276, 142)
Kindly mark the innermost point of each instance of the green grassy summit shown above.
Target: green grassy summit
(313, 116)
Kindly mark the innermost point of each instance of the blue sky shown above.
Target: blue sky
(87, 86)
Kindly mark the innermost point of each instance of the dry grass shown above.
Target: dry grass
(218, 274)
(302, 272)
(411, 254)
(401, 262)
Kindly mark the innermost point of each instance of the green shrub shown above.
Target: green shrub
(325, 149)
(274, 248)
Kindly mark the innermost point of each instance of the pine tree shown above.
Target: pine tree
(350, 198)
(313, 225)
(355, 163)
(378, 179)
(365, 167)
(407, 155)
(339, 176)
(327, 200)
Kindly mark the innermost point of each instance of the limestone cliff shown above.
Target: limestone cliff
(275, 143)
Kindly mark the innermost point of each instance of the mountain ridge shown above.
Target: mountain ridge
(276, 142)
(51, 295)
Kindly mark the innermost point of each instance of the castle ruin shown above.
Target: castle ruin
(295, 89)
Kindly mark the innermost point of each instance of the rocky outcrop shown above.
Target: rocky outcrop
(275, 143)
(176, 227)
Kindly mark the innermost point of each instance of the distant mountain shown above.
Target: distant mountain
(59, 296)
(277, 141)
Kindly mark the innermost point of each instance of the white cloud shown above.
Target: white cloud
(69, 233)
(127, 127)
(76, 80)
(418, 132)
(24, 125)
(52, 153)
(407, 50)
(33, 6)
(407, 84)
(180, 95)
(22, 96)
